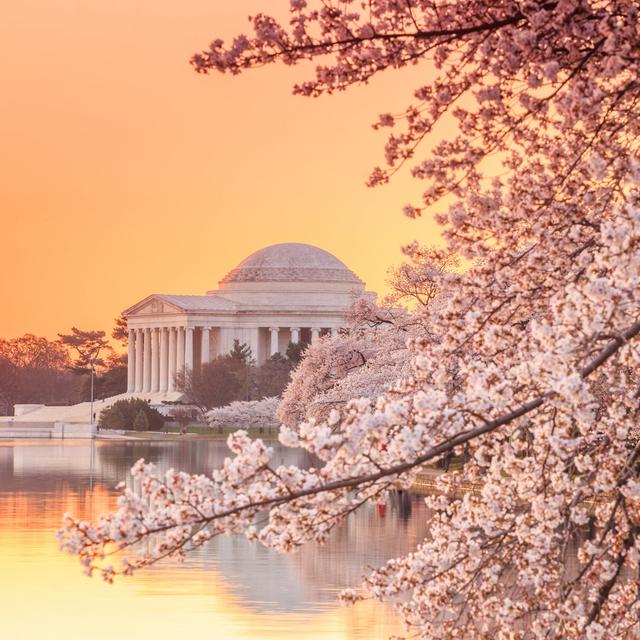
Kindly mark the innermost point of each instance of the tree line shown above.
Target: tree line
(35, 370)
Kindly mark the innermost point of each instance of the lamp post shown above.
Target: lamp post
(92, 362)
(88, 345)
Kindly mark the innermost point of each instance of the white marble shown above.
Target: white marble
(139, 360)
(188, 349)
(131, 355)
(274, 340)
(164, 361)
(204, 346)
(146, 361)
(173, 339)
(155, 361)
(180, 354)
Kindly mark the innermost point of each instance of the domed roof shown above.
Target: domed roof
(291, 262)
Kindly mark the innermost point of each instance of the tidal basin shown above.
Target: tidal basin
(228, 589)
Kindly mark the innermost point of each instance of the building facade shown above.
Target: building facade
(280, 294)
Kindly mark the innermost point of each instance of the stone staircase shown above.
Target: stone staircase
(81, 413)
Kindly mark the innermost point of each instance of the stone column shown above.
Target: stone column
(274, 340)
(204, 347)
(146, 387)
(164, 344)
(334, 332)
(155, 360)
(139, 362)
(254, 342)
(315, 334)
(180, 354)
(171, 385)
(131, 362)
(188, 349)
(295, 335)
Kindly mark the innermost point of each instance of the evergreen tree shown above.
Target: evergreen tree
(273, 376)
(87, 345)
(240, 352)
(120, 330)
(294, 352)
(116, 419)
(218, 383)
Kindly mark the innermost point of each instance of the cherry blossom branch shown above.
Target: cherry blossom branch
(199, 61)
(435, 452)
(451, 443)
(605, 589)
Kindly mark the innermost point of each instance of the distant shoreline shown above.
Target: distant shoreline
(424, 484)
(198, 433)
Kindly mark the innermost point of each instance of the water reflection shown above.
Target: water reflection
(227, 589)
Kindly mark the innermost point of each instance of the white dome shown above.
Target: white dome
(291, 262)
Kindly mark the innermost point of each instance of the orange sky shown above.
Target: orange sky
(125, 173)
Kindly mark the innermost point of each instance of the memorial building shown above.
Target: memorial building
(280, 294)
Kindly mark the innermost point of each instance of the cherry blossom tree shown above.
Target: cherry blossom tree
(259, 414)
(371, 354)
(420, 280)
(548, 309)
(359, 362)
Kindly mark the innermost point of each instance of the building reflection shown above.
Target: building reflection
(230, 588)
(39, 482)
(239, 587)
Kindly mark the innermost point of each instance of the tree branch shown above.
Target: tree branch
(434, 452)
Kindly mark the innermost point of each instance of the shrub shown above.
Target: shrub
(141, 422)
(132, 413)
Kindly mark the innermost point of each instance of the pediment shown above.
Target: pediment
(152, 305)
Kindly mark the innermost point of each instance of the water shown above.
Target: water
(229, 589)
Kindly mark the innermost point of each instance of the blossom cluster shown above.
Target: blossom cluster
(245, 414)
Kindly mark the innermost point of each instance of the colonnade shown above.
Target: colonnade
(156, 354)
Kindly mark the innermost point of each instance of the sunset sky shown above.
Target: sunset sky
(125, 173)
